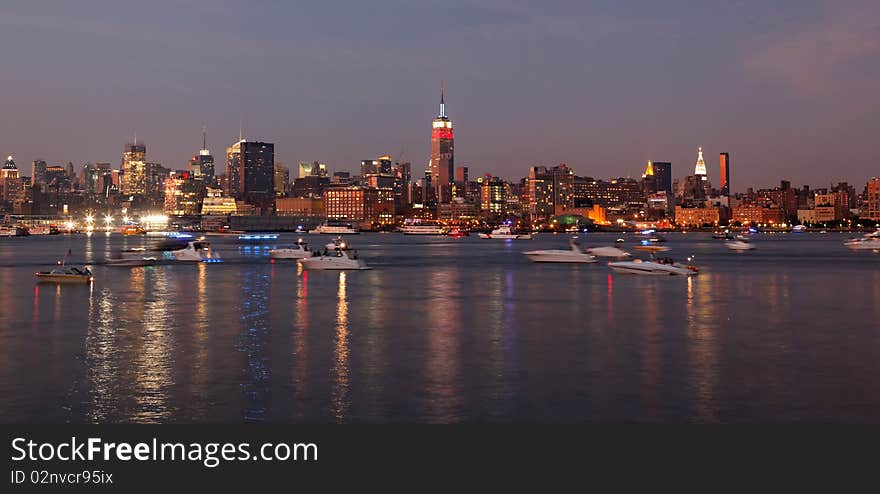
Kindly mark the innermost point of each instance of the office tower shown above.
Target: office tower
(134, 169)
(461, 174)
(442, 152)
(493, 194)
(872, 200)
(38, 172)
(282, 180)
(202, 165)
(250, 171)
(9, 180)
(724, 165)
(663, 175)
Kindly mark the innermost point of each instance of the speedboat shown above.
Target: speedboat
(336, 243)
(504, 232)
(612, 252)
(656, 267)
(339, 259)
(133, 258)
(573, 254)
(739, 245)
(423, 228)
(870, 241)
(195, 251)
(336, 229)
(66, 274)
(298, 251)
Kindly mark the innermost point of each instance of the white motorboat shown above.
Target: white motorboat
(504, 232)
(336, 229)
(338, 259)
(739, 245)
(66, 274)
(612, 252)
(423, 228)
(300, 250)
(195, 251)
(336, 243)
(655, 267)
(870, 241)
(573, 254)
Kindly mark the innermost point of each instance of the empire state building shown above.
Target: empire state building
(442, 164)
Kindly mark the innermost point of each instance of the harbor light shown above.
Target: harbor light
(108, 220)
(90, 219)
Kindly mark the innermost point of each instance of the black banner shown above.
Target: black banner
(232, 457)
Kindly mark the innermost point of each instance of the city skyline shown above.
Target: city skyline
(602, 88)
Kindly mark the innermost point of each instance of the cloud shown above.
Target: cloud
(828, 57)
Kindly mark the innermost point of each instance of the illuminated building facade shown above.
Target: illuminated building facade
(724, 168)
(370, 207)
(872, 200)
(182, 195)
(310, 169)
(442, 161)
(134, 169)
(250, 170)
(493, 194)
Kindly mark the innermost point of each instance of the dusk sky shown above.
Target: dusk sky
(789, 88)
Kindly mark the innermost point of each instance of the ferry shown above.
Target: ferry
(334, 228)
(423, 228)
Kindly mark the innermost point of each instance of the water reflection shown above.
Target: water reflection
(102, 361)
(340, 398)
(153, 376)
(444, 332)
(703, 347)
(300, 357)
(252, 342)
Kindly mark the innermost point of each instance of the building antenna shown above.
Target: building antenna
(204, 137)
(239, 129)
(135, 138)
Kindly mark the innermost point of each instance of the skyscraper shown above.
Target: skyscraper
(250, 170)
(134, 169)
(663, 175)
(313, 168)
(202, 165)
(724, 165)
(700, 168)
(38, 172)
(442, 162)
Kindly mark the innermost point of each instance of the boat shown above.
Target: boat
(651, 248)
(799, 228)
(14, 231)
(423, 228)
(300, 250)
(619, 241)
(739, 244)
(133, 258)
(225, 232)
(725, 235)
(870, 241)
(337, 259)
(134, 230)
(336, 228)
(457, 233)
(195, 251)
(504, 232)
(258, 238)
(655, 267)
(572, 254)
(336, 243)
(612, 252)
(66, 274)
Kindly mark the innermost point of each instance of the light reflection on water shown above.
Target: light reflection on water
(441, 331)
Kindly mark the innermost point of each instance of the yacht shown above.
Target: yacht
(423, 228)
(504, 232)
(336, 243)
(612, 252)
(655, 267)
(337, 259)
(195, 251)
(300, 250)
(573, 254)
(66, 274)
(870, 241)
(739, 244)
(336, 229)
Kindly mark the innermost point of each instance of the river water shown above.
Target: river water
(442, 330)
